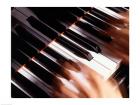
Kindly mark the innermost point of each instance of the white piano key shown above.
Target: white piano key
(48, 56)
(60, 51)
(92, 64)
(98, 57)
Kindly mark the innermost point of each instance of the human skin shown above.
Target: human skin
(99, 88)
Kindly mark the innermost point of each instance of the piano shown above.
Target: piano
(43, 38)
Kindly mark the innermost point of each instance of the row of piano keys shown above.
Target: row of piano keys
(44, 38)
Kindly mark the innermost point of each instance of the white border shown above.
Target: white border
(5, 51)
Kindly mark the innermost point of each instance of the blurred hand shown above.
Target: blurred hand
(96, 86)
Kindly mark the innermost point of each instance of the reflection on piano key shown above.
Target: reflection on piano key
(74, 48)
(36, 80)
(111, 13)
(110, 17)
(55, 54)
(43, 74)
(96, 21)
(27, 86)
(20, 92)
(118, 9)
(82, 41)
(52, 66)
(94, 30)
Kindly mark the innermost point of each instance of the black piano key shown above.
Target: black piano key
(114, 9)
(15, 66)
(20, 57)
(56, 25)
(54, 54)
(86, 39)
(26, 84)
(82, 41)
(104, 16)
(21, 51)
(101, 24)
(46, 30)
(95, 32)
(123, 9)
(50, 20)
(97, 22)
(122, 77)
(18, 43)
(74, 48)
(100, 14)
(117, 9)
(68, 22)
(55, 13)
(60, 59)
(17, 93)
(121, 72)
(14, 40)
(50, 12)
(23, 33)
(93, 20)
(53, 20)
(76, 11)
(68, 18)
(52, 66)
(85, 8)
(127, 8)
(43, 74)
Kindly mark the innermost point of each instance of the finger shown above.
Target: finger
(70, 65)
(81, 82)
(103, 88)
(68, 92)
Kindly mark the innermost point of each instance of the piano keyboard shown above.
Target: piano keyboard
(44, 38)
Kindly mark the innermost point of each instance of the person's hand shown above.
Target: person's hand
(93, 85)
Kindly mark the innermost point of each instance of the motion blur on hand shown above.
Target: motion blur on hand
(89, 83)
